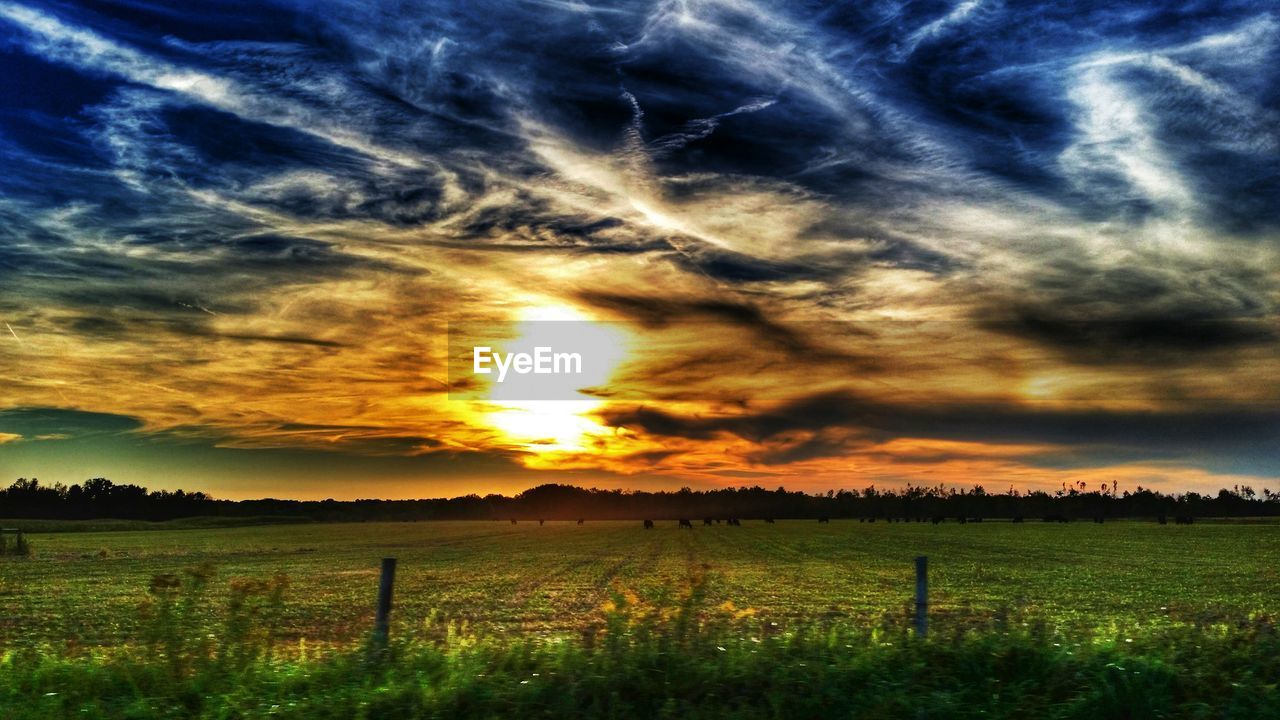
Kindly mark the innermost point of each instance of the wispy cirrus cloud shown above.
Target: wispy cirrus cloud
(253, 224)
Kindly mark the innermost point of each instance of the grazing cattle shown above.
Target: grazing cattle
(706, 522)
(1183, 520)
(686, 524)
(540, 522)
(1017, 518)
(513, 521)
(1099, 519)
(862, 519)
(824, 519)
(735, 522)
(648, 524)
(871, 519)
(962, 519)
(580, 521)
(938, 519)
(768, 521)
(1162, 520)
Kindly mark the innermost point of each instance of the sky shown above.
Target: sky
(1022, 245)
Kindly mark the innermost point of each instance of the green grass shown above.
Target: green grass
(796, 619)
(708, 673)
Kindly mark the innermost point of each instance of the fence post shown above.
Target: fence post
(382, 623)
(922, 596)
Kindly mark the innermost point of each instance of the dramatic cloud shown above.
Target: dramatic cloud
(872, 242)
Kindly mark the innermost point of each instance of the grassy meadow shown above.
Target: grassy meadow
(608, 619)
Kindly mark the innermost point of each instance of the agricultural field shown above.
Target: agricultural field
(606, 619)
(83, 588)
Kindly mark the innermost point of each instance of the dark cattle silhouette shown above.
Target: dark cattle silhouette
(1183, 520)
(735, 522)
(824, 519)
(1099, 519)
(862, 519)
(768, 521)
(1017, 518)
(975, 519)
(513, 521)
(962, 519)
(686, 524)
(648, 524)
(580, 521)
(541, 522)
(706, 522)
(938, 519)
(1162, 520)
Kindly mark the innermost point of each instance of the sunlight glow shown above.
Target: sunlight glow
(560, 426)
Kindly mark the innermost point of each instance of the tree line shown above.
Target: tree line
(101, 498)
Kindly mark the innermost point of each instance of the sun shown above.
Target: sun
(548, 426)
(562, 426)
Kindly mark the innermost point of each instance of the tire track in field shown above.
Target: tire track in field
(585, 594)
(446, 541)
(757, 558)
(646, 562)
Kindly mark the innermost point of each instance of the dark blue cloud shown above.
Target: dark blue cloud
(34, 422)
(855, 97)
(1222, 439)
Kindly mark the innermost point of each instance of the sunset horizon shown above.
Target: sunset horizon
(613, 359)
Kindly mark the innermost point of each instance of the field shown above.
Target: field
(488, 587)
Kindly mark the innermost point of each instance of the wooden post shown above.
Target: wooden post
(922, 596)
(382, 624)
(18, 539)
